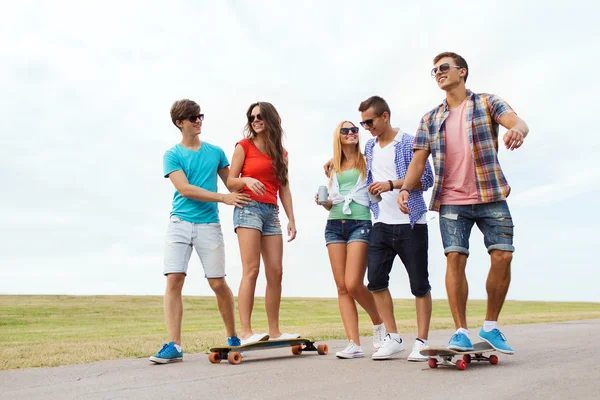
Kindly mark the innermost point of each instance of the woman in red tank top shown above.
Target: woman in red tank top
(259, 167)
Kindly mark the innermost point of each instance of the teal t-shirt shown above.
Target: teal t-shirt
(347, 180)
(200, 168)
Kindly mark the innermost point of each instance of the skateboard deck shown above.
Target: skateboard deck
(446, 355)
(234, 356)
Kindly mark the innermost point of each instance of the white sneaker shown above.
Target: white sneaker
(257, 337)
(415, 355)
(389, 348)
(351, 351)
(287, 336)
(378, 335)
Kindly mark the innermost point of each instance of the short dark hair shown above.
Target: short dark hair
(379, 105)
(458, 60)
(183, 109)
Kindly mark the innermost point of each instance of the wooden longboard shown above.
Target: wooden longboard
(446, 355)
(233, 353)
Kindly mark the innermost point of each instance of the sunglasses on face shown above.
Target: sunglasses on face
(345, 131)
(368, 122)
(195, 118)
(252, 117)
(445, 67)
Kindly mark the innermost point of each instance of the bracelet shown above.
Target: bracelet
(404, 189)
(391, 185)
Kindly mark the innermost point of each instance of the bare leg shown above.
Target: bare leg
(173, 306)
(356, 266)
(272, 252)
(249, 241)
(497, 284)
(385, 305)
(423, 305)
(457, 287)
(225, 303)
(348, 312)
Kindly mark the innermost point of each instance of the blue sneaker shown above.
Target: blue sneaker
(234, 341)
(460, 342)
(497, 340)
(168, 354)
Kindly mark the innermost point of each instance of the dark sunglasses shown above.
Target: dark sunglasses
(195, 118)
(368, 122)
(345, 131)
(445, 67)
(252, 117)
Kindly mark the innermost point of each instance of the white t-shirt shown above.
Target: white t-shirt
(383, 168)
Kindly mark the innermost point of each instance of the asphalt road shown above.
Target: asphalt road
(552, 361)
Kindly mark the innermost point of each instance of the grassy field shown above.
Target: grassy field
(38, 331)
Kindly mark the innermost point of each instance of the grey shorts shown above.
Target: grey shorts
(207, 239)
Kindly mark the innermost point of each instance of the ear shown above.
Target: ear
(462, 72)
(179, 124)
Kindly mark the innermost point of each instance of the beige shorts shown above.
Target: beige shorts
(207, 239)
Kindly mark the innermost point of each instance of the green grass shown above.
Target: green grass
(38, 331)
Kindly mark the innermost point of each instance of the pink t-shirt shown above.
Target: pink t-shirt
(459, 187)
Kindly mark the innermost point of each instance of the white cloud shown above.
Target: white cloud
(88, 86)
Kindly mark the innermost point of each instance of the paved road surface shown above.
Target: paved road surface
(552, 361)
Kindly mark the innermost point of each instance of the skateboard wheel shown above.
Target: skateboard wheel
(322, 349)
(297, 350)
(493, 359)
(467, 358)
(461, 365)
(234, 358)
(432, 362)
(214, 358)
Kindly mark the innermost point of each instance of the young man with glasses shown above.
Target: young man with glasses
(461, 134)
(193, 166)
(388, 155)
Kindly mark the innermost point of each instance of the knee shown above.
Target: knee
(218, 285)
(342, 289)
(274, 276)
(456, 260)
(501, 258)
(353, 288)
(420, 288)
(175, 282)
(250, 272)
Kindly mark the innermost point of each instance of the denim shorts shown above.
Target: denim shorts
(207, 239)
(261, 216)
(492, 219)
(347, 231)
(410, 244)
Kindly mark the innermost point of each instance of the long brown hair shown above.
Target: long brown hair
(274, 138)
(338, 155)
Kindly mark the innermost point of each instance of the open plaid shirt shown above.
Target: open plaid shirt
(482, 113)
(403, 156)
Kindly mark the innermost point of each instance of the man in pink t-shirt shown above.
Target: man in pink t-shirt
(461, 134)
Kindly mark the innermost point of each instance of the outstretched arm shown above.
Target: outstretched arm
(517, 130)
(181, 183)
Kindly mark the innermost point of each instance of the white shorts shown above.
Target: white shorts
(207, 239)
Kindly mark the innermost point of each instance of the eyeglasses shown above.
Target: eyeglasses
(195, 118)
(368, 122)
(345, 131)
(252, 117)
(445, 67)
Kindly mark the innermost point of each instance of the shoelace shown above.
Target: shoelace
(162, 351)
(498, 333)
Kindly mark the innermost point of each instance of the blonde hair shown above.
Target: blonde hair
(338, 155)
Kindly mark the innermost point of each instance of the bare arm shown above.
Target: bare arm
(181, 183)
(234, 182)
(224, 174)
(517, 130)
(285, 195)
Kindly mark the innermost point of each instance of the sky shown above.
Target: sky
(86, 89)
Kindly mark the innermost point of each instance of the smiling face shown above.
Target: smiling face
(448, 75)
(348, 134)
(374, 123)
(189, 128)
(256, 120)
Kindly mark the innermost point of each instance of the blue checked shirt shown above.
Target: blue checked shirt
(404, 155)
